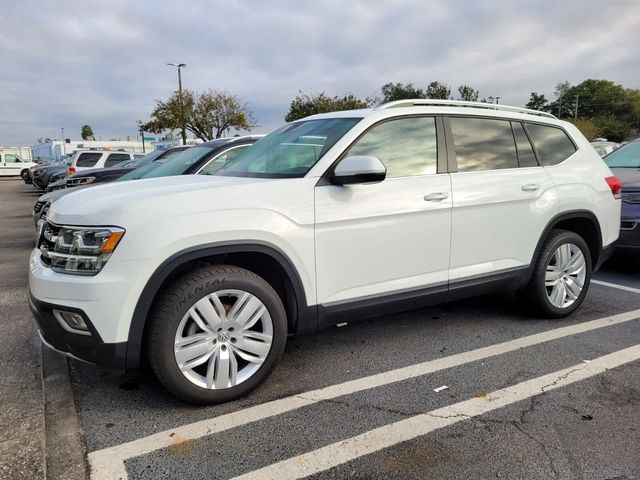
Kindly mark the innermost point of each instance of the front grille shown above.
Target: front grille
(47, 242)
(631, 197)
(38, 206)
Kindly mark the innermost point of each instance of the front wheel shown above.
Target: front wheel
(215, 334)
(561, 275)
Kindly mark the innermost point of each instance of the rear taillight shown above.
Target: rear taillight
(615, 186)
(71, 170)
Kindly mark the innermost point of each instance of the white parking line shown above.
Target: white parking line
(615, 285)
(108, 463)
(372, 441)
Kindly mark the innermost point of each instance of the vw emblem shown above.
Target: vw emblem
(223, 337)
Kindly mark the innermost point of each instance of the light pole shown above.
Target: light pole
(180, 66)
(64, 147)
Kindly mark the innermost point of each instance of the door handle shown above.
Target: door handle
(436, 197)
(530, 187)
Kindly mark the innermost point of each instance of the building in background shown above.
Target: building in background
(54, 149)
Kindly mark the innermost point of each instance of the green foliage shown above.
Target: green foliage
(537, 102)
(400, 91)
(589, 128)
(207, 115)
(87, 133)
(306, 104)
(468, 94)
(614, 129)
(438, 90)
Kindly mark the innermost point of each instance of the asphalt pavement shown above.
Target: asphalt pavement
(524, 398)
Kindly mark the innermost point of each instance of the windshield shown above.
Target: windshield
(177, 164)
(145, 166)
(627, 156)
(290, 151)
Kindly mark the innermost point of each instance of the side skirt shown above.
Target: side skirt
(379, 305)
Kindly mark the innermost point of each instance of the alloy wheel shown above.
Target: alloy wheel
(223, 339)
(565, 276)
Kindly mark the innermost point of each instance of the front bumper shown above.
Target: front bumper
(105, 301)
(89, 348)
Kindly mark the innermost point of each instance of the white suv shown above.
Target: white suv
(332, 218)
(91, 158)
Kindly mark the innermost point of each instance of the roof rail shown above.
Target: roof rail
(418, 102)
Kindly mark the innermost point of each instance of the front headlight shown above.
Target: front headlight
(78, 250)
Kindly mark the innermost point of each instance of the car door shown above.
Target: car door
(502, 199)
(11, 165)
(389, 239)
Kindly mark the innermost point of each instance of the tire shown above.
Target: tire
(545, 297)
(206, 297)
(25, 176)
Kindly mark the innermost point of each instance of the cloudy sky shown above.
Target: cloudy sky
(66, 63)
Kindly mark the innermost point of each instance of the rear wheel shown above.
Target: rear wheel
(561, 276)
(216, 334)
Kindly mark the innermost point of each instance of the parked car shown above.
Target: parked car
(337, 216)
(208, 157)
(95, 176)
(41, 175)
(625, 164)
(12, 165)
(94, 158)
(605, 148)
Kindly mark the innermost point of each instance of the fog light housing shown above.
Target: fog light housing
(72, 322)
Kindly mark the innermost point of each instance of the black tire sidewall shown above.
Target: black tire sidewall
(188, 291)
(540, 299)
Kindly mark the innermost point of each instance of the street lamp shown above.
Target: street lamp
(64, 147)
(179, 66)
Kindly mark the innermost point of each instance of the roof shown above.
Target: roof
(447, 106)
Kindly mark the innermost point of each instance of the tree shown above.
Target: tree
(215, 113)
(400, 91)
(468, 94)
(306, 104)
(588, 127)
(537, 102)
(438, 90)
(87, 133)
(207, 115)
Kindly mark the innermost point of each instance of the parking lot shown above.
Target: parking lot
(524, 397)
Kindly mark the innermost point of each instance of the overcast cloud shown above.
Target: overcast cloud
(66, 63)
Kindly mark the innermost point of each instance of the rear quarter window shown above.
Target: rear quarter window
(552, 144)
(88, 159)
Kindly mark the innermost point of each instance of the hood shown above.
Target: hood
(117, 202)
(629, 177)
(56, 194)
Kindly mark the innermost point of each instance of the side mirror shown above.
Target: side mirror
(359, 169)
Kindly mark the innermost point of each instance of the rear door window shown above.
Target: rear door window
(552, 144)
(526, 157)
(483, 144)
(88, 159)
(115, 158)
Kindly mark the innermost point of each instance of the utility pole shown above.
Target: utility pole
(64, 147)
(179, 66)
(575, 115)
(142, 135)
(560, 106)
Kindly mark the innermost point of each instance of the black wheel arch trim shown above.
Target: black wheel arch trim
(569, 215)
(306, 315)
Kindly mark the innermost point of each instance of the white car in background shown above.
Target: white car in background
(605, 148)
(335, 217)
(99, 158)
(13, 166)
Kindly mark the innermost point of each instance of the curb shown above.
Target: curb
(64, 446)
